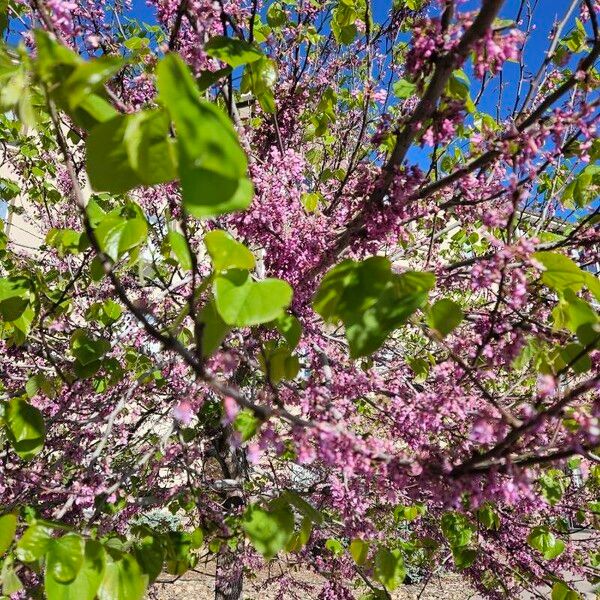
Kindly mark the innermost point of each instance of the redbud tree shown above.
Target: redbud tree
(313, 288)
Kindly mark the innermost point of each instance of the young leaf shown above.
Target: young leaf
(123, 579)
(370, 300)
(242, 302)
(234, 52)
(8, 528)
(86, 583)
(65, 557)
(25, 428)
(129, 151)
(389, 568)
(444, 316)
(212, 164)
(33, 543)
(226, 252)
(269, 530)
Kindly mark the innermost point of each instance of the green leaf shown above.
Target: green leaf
(86, 583)
(389, 568)
(303, 507)
(300, 538)
(247, 424)
(8, 528)
(359, 549)
(403, 88)
(575, 355)
(214, 329)
(76, 86)
(33, 543)
(278, 362)
(444, 316)
(212, 164)
(290, 328)
(488, 517)
(259, 79)
(123, 579)
(457, 529)
(65, 557)
(150, 553)
(269, 530)
(276, 16)
(180, 248)
(370, 300)
(209, 78)
(130, 150)
(15, 297)
(553, 484)
(25, 428)
(544, 541)
(87, 349)
(583, 189)
(561, 273)
(242, 302)
(334, 546)
(463, 556)
(121, 230)
(234, 52)
(560, 591)
(11, 584)
(226, 252)
(66, 241)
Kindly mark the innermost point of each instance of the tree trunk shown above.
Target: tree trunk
(229, 577)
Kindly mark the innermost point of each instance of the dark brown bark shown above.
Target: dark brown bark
(229, 576)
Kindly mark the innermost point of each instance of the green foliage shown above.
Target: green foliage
(179, 246)
(8, 528)
(67, 241)
(74, 84)
(88, 353)
(129, 151)
(25, 427)
(404, 89)
(243, 302)
(444, 316)
(33, 543)
(226, 252)
(64, 557)
(290, 328)
(119, 231)
(561, 273)
(344, 18)
(488, 517)
(389, 568)
(232, 51)
(278, 362)
(543, 540)
(583, 189)
(560, 591)
(359, 549)
(107, 312)
(123, 578)
(16, 307)
(214, 329)
(212, 164)
(87, 581)
(258, 79)
(370, 300)
(334, 546)
(247, 424)
(458, 530)
(270, 529)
